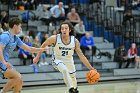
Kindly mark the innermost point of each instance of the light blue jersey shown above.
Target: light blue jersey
(10, 42)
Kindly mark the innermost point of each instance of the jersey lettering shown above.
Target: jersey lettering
(64, 48)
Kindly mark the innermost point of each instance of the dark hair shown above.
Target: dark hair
(14, 21)
(70, 27)
(32, 34)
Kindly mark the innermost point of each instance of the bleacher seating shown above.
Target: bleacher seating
(48, 75)
(35, 23)
(43, 69)
(42, 28)
(104, 45)
(16, 13)
(122, 72)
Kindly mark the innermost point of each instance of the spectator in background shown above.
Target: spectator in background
(54, 32)
(31, 4)
(128, 23)
(24, 55)
(73, 16)
(80, 30)
(136, 4)
(128, 17)
(43, 60)
(37, 44)
(133, 56)
(4, 20)
(120, 55)
(14, 5)
(87, 43)
(21, 4)
(108, 24)
(31, 35)
(26, 4)
(45, 15)
(1, 30)
(57, 13)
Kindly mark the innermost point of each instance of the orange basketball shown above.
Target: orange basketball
(92, 76)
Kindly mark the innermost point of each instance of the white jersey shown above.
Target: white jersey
(62, 51)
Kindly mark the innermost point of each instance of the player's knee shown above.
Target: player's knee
(64, 70)
(18, 80)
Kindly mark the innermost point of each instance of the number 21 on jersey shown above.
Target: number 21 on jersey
(64, 53)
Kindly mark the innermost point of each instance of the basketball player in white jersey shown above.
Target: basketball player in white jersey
(64, 45)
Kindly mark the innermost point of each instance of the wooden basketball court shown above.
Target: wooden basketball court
(109, 87)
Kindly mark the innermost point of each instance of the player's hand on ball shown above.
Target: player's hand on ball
(92, 76)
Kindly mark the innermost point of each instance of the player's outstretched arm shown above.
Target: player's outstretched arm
(81, 56)
(33, 49)
(49, 42)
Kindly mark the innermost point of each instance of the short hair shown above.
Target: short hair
(70, 27)
(14, 21)
(60, 2)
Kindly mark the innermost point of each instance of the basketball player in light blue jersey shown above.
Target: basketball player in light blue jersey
(64, 44)
(8, 42)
